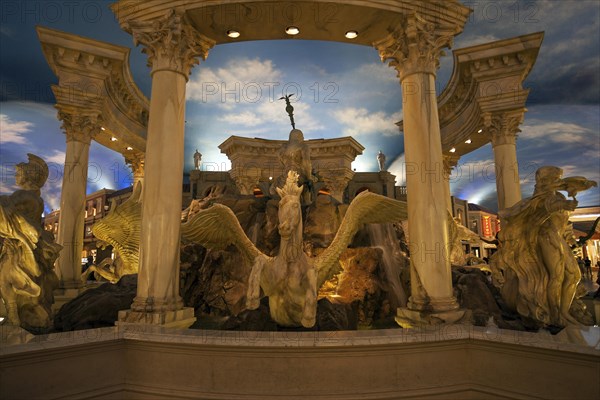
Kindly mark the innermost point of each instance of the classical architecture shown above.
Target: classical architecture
(484, 102)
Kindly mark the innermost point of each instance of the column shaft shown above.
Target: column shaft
(426, 190)
(72, 213)
(158, 281)
(507, 175)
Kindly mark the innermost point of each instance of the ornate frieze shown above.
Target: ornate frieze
(170, 43)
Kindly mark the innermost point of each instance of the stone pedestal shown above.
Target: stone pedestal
(79, 128)
(172, 48)
(182, 318)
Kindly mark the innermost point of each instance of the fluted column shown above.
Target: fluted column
(173, 48)
(414, 50)
(80, 128)
(503, 129)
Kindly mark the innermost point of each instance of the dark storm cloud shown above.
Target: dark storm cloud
(567, 70)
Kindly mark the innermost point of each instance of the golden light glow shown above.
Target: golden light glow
(292, 30)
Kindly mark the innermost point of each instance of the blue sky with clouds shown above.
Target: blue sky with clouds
(340, 90)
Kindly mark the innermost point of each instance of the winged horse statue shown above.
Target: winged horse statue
(291, 279)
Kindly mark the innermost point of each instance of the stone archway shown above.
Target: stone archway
(176, 35)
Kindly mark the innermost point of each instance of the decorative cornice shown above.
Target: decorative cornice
(170, 43)
(94, 75)
(415, 46)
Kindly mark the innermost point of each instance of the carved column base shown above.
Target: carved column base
(182, 318)
(408, 318)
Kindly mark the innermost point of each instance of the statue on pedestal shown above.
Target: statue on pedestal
(291, 279)
(27, 251)
(534, 267)
(197, 158)
(295, 156)
(381, 160)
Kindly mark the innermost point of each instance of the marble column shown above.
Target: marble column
(80, 128)
(503, 129)
(173, 48)
(414, 51)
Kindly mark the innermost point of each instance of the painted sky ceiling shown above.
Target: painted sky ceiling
(340, 89)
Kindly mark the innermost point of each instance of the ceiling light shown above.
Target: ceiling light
(468, 141)
(351, 34)
(479, 131)
(129, 148)
(452, 150)
(113, 139)
(233, 34)
(292, 30)
(102, 128)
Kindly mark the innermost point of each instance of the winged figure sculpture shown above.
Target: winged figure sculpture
(121, 228)
(290, 279)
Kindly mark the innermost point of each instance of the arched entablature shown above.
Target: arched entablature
(94, 76)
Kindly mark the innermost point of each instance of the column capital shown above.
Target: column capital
(415, 46)
(81, 126)
(170, 43)
(503, 127)
(450, 161)
(136, 163)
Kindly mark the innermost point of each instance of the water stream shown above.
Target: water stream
(383, 236)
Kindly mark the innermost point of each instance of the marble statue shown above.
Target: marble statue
(27, 252)
(290, 279)
(295, 156)
(457, 232)
(197, 158)
(534, 267)
(381, 160)
(121, 229)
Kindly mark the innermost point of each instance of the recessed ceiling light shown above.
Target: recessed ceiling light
(452, 150)
(129, 148)
(102, 128)
(479, 131)
(292, 30)
(468, 141)
(351, 35)
(233, 34)
(113, 139)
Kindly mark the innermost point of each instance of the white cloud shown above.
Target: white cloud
(246, 118)
(12, 131)
(239, 81)
(57, 157)
(359, 121)
(559, 132)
